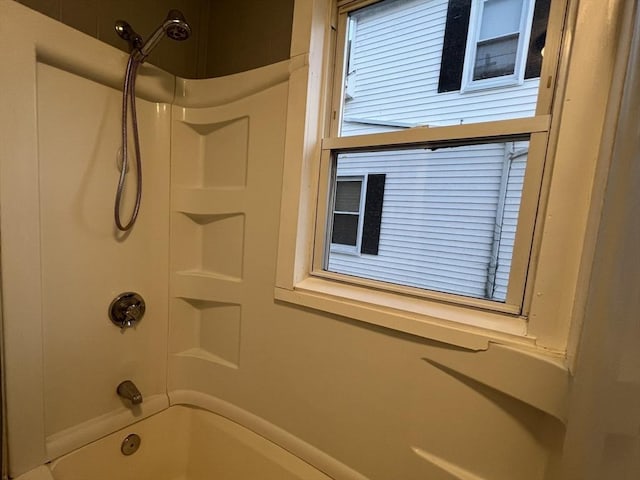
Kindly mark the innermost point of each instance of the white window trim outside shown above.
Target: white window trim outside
(349, 249)
(558, 274)
(350, 87)
(475, 21)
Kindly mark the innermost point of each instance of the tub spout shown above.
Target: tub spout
(128, 390)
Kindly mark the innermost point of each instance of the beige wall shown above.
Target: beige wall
(603, 431)
(227, 36)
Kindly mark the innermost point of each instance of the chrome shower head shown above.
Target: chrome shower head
(175, 26)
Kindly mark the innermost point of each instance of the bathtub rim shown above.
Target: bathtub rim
(306, 452)
(295, 446)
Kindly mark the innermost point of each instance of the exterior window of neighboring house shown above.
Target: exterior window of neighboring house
(498, 33)
(436, 181)
(357, 214)
(347, 213)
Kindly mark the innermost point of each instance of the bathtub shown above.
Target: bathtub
(181, 443)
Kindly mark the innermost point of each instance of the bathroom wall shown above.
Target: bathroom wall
(386, 404)
(603, 428)
(63, 261)
(85, 263)
(376, 400)
(227, 36)
(247, 34)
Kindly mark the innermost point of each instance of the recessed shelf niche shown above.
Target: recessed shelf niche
(211, 244)
(212, 155)
(207, 330)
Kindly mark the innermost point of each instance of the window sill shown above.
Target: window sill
(464, 327)
(491, 83)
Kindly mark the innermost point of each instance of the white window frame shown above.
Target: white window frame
(569, 204)
(538, 127)
(350, 80)
(340, 247)
(475, 22)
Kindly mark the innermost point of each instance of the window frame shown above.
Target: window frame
(333, 143)
(557, 273)
(524, 36)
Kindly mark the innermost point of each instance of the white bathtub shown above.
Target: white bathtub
(181, 443)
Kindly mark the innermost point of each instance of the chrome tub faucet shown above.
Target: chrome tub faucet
(128, 390)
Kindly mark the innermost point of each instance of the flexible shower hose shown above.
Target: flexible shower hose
(129, 96)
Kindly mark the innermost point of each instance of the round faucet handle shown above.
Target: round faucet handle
(127, 309)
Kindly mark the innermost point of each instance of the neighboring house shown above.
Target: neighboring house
(442, 219)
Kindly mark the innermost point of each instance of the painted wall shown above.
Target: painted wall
(215, 47)
(603, 430)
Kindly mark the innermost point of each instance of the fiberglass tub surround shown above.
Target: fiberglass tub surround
(76, 99)
(218, 156)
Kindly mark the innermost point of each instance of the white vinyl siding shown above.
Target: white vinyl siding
(509, 223)
(443, 223)
(438, 217)
(396, 54)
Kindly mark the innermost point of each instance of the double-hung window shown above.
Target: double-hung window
(432, 167)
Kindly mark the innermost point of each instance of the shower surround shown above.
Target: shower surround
(352, 399)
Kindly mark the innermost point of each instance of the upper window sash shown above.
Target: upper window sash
(373, 105)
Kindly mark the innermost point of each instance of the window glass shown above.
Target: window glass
(446, 219)
(496, 57)
(500, 17)
(346, 214)
(498, 39)
(348, 195)
(406, 62)
(345, 229)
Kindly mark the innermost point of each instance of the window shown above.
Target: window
(455, 215)
(550, 145)
(347, 214)
(470, 29)
(495, 53)
(356, 217)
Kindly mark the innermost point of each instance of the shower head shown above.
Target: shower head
(176, 28)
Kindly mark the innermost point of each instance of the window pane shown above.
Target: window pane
(345, 229)
(448, 219)
(406, 65)
(500, 17)
(495, 58)
(348, 196)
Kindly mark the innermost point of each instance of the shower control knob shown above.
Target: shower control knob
(127, 309)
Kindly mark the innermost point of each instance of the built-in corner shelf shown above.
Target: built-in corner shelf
(207, 330)
(218, 193)
(206, 286)
(212, 244)
(210, 151)
(208, 201)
